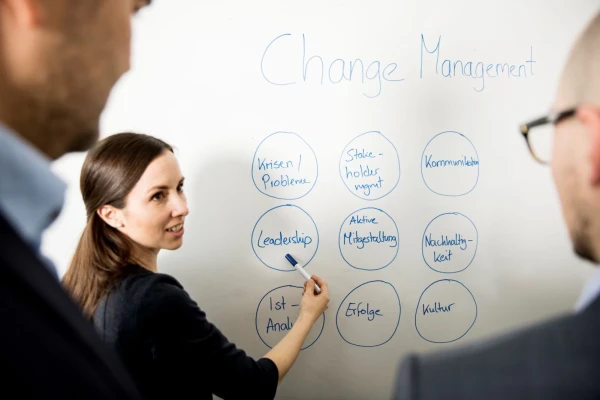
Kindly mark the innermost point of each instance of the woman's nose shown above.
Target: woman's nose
(180, 207)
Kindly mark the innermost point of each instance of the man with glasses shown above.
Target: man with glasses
(559, 359)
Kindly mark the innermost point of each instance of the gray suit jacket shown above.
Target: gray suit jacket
(559, 359)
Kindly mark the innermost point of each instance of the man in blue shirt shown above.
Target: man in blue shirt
(60, 60)
(559, 359)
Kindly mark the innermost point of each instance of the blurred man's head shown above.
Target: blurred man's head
(576, 151)
(59, 60)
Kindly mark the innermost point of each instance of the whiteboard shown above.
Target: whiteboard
(377, 142)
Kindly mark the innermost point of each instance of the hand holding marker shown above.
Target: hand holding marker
(299, 268)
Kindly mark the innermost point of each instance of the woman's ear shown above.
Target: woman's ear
(111, 216)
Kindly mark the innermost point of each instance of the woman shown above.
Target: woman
(132, 188)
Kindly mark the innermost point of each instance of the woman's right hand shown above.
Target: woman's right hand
(314, 304)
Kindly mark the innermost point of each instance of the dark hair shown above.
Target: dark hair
(110, 171)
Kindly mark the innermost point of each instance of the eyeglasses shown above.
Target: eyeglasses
(540, 140)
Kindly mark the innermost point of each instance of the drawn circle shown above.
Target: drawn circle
(450, 243)
(373, 322)
(284, 166)
(277, 315)
(370, 166)
(450, 164)
(281, 230)
(369, 239)
(446, 311)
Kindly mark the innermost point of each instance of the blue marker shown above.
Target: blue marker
(299, 268)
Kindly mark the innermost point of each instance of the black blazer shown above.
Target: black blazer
(47, 349)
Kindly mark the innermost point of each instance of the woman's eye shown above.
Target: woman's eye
(180, 187)
(157, 196)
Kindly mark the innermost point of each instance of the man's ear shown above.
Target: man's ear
(589, 116)
(111, 216)
(23, 12)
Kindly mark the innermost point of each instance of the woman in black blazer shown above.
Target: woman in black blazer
(132, 188)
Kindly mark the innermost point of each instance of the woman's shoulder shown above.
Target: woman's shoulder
(146, 304)
(152, 294)
(139, 279)
(141, 285)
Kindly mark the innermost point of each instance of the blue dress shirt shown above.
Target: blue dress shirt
(31, 195)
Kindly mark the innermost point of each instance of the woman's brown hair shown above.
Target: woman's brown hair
(110, 171)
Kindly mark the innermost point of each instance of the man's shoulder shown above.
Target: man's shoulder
(52, 350)
(555, 359)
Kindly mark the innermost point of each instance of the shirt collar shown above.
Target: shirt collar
(589, 293)
(31, 195)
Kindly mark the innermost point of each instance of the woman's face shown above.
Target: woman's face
(156, 207)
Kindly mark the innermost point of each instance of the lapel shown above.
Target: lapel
(26, 266)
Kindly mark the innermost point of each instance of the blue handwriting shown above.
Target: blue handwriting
(335, 72)
(356, 219)
(464, 162)
(358, 311)
(475, 70)
(352, 238)
(437, 308)
(279, 326)
(444, 240)
(283, 241)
